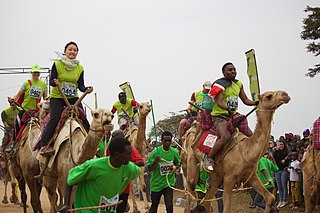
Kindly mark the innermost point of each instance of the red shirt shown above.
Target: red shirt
(135, 157)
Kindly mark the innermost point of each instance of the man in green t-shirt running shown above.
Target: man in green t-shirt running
(101, 180)
(161, 165)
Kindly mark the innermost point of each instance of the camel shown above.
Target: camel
(9, 175)
(240, 161)
(190, 163)
(137, 137)
(44, 109)
(311, 176)
(76, 146)
(26, 166)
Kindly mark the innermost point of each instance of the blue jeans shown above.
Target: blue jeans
(282, 178)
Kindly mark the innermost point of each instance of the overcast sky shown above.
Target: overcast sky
(166, 49)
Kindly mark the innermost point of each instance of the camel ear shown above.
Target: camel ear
(259, 97)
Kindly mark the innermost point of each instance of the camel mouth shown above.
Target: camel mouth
(106, 122)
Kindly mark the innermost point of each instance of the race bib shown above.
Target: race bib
(232, 102)
(210, 140)
(165, 168)
(106, 201)
(35, 92)
(69, 88)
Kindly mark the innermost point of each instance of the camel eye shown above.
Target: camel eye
(112, 116)
(269, 97)
(140, 107)
(96, 115)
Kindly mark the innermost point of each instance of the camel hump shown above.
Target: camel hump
(131, 131)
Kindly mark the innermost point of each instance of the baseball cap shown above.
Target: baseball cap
(207, 85)
(35, 68)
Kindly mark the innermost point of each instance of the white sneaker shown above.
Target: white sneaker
(283, 204)
(279, 204)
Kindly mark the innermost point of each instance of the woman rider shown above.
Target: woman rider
(67, 72)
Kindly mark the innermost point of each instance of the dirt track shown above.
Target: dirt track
(240, 203)
(11, 208)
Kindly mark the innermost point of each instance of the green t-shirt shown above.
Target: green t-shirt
(201, 186)
(100, 183)
(158, 179)
(68, 80)
(266, 164)
(11, 115)
(32, 93)
(101, 148)
(230, 98)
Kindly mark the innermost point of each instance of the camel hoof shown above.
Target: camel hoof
(14, 199)
(5, 200)
(198, 209)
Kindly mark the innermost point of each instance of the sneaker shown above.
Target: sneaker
(279, 204)
(283, 204)
(46, 151)
(208, 163)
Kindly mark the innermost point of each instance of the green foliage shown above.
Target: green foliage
(311, 26)
(170, 123)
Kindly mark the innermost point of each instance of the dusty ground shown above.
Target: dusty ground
(240, 202)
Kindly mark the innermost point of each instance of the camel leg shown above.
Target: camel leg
(143, 192)
(193, 172)
(212, 190)
(259, 188)
(228, 185)
(35, 190)
(309, 189)
(134, 202)
(51, 185)
(5, 197)
(14, 197)
(23, 194)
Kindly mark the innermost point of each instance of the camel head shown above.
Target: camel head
(272, 100)
(101, 120)
(44, 105)
(144, 109)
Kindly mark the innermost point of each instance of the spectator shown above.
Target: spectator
(282, 176)
(294, 170)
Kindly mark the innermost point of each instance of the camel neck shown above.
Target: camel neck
(261, 135)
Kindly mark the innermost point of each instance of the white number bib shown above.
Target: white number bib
(165, 167)
(105, 201)
(35, 92)
(210, 140)
(69, 88)
(232, 102)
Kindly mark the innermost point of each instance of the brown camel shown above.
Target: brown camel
(9, 175)
(137, 137)
(189, 162)
(76, 146)
(311, 175)
(26, 166)
(241, 160)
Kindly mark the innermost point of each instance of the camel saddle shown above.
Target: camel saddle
(60, 138)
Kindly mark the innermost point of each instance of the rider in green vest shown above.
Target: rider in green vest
(225, 92)
(197, 99)
(126, 109)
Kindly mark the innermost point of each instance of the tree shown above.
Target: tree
(170, 123)
(311, 26)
